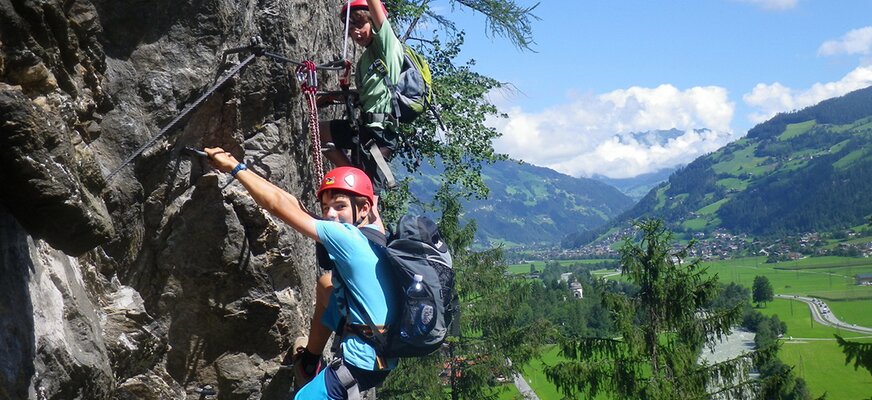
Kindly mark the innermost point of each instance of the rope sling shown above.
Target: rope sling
(308, 78)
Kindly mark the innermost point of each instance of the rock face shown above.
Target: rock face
(168, 276)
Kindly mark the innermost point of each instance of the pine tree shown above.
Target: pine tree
(859, 353)
(661, 331)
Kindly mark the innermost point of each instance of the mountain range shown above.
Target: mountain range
(638, 186)
(531, 205)
(803, 171)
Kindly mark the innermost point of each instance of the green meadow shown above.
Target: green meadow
(830, 278)
(858, 312)
(535, 375)
(800, 324)
(822, 365)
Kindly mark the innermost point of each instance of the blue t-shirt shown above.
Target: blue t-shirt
(361, 270)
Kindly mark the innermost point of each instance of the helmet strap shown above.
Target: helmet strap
(357, 216)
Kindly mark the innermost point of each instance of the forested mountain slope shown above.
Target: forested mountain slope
(530, 204)
(803, 171)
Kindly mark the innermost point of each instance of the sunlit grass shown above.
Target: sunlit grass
(794, 130)
(822, 365)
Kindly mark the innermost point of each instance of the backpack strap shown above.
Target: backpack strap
(374, 235)
(379, 66)
(375, 336)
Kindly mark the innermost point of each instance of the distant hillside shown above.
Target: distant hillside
(533, 205)
(638, 186)
(803, 171)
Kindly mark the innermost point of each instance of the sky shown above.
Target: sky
(600, 71)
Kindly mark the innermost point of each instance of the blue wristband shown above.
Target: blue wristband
(239, 167)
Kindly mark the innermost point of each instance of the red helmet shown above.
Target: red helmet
(355, 4)
(348, 179)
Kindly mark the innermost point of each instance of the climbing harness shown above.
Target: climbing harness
(256, 49)
(308, 78)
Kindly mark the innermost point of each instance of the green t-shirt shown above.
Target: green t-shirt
(375, 97)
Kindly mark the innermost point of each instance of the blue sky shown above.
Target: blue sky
(602, 70)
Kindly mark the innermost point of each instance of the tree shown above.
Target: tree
(661, 330)
(459, 93)
(762, 290)
(859, 353)
(490, 342)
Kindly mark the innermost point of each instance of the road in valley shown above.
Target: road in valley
(822, 314)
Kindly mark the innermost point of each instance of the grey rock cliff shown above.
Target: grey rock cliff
(168, 276)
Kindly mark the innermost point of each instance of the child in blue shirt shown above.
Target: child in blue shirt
(359, 289)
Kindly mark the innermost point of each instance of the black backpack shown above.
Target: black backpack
(422, 320)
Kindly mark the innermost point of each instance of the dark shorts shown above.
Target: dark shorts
(343, 137)
(326, 384)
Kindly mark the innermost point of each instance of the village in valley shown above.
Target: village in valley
(718, 245)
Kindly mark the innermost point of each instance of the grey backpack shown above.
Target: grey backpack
(423, 316)
(411, 96)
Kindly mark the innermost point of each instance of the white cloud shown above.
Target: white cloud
(771, 99)
(857, 41)
(777, 5)
(591, 134)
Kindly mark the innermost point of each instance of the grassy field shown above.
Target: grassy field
(821, 262)
(822, 365)
(535, 376)
(732, 183)
(510, 392)
(794, 130)
(713, 207)
(825, 277)
(819, 361)
(853, 312)
(797, 316)
(695, 224)
(743, 161)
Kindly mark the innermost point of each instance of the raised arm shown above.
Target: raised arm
(271, 197)
(377, 11)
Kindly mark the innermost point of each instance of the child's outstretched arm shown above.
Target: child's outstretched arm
(272, 198)
(377, 13)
